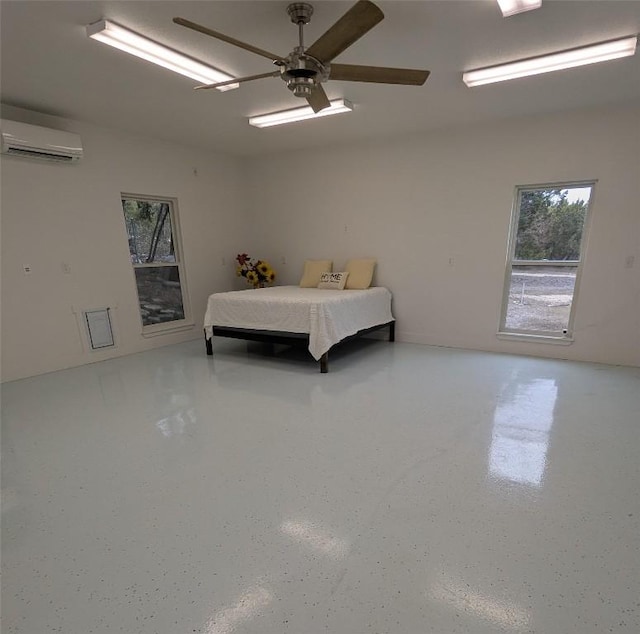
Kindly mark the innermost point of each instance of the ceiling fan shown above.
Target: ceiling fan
(305, 69)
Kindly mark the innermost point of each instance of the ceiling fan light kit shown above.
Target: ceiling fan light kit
(601, 52)
(336, 106)
(135, 44)
(511, 7)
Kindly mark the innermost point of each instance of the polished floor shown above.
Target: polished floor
(412, 489)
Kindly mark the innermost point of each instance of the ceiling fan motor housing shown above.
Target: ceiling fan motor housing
(302, 73)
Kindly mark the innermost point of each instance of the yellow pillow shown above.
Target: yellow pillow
(360, 273)
(313, 269)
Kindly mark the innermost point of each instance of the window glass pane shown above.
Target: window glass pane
(550, 223)
(149, 231)
(159, 294)
(540, 298)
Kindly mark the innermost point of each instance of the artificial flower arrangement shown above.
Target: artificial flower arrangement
(256, 272)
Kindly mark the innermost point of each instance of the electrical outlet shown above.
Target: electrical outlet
(223, 261)
(283, 259)
(66, 268)
(629, 262)
(27, 269)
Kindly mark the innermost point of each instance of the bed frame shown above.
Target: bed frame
(289, 338)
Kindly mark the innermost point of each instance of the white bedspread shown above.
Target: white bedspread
(328, 316)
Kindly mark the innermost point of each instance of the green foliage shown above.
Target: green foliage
(550, 227)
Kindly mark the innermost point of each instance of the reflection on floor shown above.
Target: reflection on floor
(412, 489)
(522, 422)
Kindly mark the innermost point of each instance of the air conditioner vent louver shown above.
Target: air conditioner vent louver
(35, 142)
(39, 154)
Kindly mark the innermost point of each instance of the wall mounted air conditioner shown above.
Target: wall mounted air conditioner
(34, 141)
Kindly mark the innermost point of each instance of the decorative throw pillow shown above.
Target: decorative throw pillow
(335, 281)
(313, 269)
(360, 273)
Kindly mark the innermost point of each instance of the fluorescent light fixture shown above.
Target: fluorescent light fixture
(300, 114)
(511, 7)
(130, 42)
(555, 61)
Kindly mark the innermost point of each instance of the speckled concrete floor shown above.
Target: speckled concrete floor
(410, 490)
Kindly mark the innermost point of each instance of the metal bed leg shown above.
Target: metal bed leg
(209, 345)
(324, 363)
(392, 331)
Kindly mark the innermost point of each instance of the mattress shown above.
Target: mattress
(327, 316)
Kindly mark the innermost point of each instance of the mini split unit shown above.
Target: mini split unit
(36, 142)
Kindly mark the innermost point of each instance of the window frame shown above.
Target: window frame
(176, 235)
(566, 335)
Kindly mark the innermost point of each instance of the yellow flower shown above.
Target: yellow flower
(252, 277)
(263, 268)
(271, 275)
(238, 270)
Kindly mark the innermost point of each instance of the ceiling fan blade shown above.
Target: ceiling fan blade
(378, 74)
(318, 99)
(239, 80)
(226, 38)
(357, 21)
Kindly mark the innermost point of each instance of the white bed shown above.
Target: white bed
(324, 317)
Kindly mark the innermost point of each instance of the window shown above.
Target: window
(545, 256)
(155, 254)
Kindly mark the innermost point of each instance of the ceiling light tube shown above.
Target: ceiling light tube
(134, 44)
(300, 114)
(593, 54)
(511, 7)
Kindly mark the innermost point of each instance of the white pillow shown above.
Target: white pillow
(336, 281)
(313, 269)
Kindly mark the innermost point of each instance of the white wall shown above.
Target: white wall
(55, 213)
(434, 210)
(415, 204)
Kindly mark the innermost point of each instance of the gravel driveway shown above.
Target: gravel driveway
(540, 298)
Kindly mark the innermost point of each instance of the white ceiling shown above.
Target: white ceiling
(51, 66)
